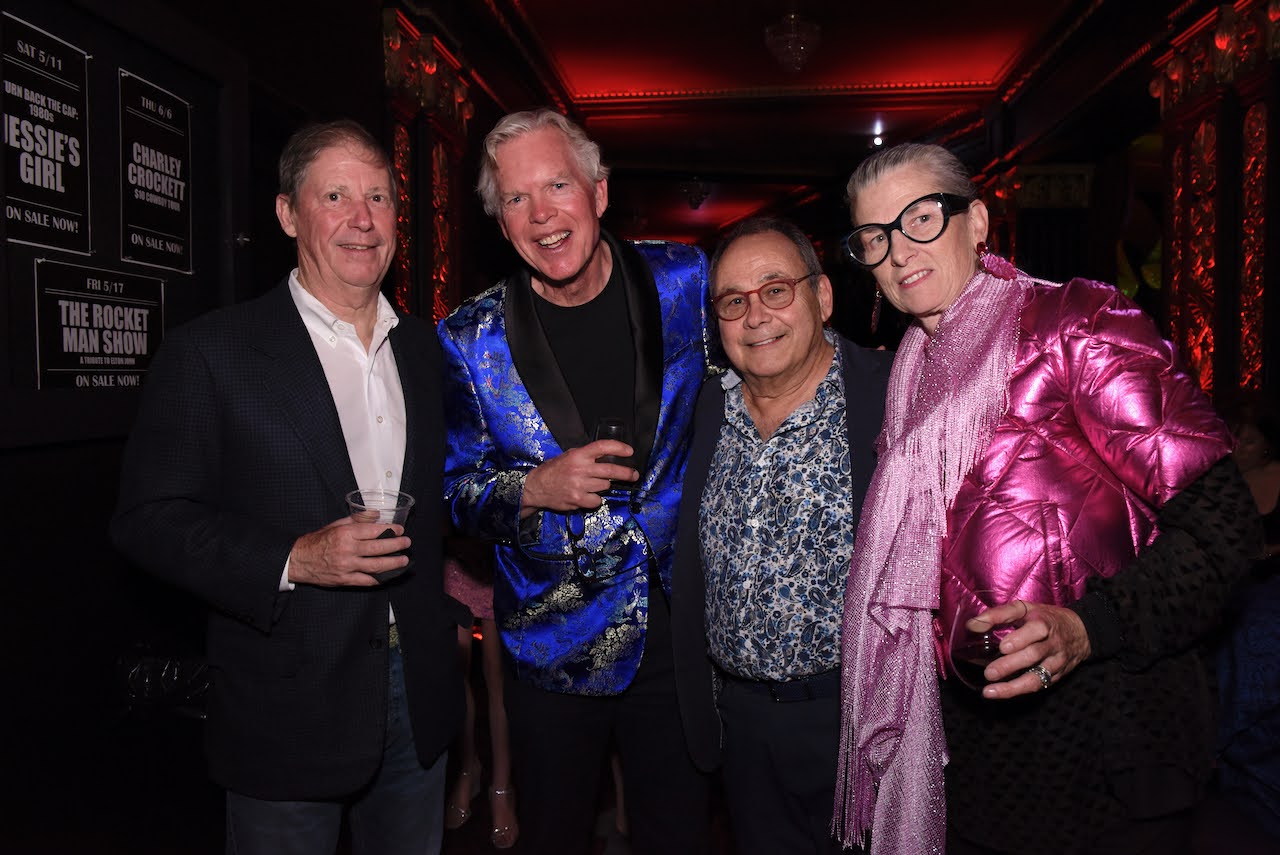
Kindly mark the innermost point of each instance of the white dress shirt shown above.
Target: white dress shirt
(366, 390)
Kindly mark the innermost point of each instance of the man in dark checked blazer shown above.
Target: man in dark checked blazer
(334, 687)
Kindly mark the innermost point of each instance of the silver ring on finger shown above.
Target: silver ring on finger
(1046, 678)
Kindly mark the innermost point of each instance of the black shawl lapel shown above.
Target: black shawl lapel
(534, 359)
(536, 363)
(645, 313)
(296, 380)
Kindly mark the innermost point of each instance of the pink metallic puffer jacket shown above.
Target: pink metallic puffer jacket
(1103, 427)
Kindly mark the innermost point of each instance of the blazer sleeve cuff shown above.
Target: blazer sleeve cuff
(1101, 624)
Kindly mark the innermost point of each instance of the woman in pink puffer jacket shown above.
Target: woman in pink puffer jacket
(1041, 446)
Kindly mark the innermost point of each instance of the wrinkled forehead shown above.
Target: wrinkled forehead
(754, 259)
(329, 158)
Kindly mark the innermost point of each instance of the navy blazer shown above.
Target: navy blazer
(866, 377)
(237, 452)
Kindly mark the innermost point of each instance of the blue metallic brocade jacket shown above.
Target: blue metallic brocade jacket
(571, 590)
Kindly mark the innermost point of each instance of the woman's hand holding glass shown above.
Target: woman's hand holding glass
(1050, 637)
(974, 642)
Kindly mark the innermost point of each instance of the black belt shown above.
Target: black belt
(824, 685)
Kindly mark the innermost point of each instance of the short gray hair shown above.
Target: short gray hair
(309, 141)
(515, 125)
(945, 167)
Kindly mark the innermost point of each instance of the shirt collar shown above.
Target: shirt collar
(324, 323)
(830, 392)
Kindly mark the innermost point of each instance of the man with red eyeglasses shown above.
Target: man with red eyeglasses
(782, 453)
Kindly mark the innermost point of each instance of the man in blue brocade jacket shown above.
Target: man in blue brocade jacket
(591, 331)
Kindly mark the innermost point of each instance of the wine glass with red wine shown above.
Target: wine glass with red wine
(970, 651)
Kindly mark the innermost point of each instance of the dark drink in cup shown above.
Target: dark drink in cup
(971, 658)
(615, 429)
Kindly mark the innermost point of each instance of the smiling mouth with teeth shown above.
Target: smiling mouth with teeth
(552, 240)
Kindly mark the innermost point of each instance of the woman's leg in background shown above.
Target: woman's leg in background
(505, 827)
(467, 784)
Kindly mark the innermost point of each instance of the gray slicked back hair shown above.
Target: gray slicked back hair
(514, 125)
(945, 167)
(309, 141)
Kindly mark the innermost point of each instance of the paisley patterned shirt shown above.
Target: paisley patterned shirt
(776, 527)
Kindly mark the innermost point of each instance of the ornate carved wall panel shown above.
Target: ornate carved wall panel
(1217, 92)
(429, 107)
(441, 237)
(1198, 298)
(1253, 320)
(404, 295)
(1176, 278)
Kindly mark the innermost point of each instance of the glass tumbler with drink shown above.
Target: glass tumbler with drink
(388, 507)
(615, 429)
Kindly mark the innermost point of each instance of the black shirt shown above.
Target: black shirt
(593, 346)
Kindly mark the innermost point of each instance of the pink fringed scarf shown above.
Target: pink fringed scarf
(946, 394)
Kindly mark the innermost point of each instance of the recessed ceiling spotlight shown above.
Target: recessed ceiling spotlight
(877, 140)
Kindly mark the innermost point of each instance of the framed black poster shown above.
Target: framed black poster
(95, 329)
(104, 246)
(155, 181)
(46, 161)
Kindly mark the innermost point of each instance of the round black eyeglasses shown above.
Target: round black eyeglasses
(923, 221)
(774, 294)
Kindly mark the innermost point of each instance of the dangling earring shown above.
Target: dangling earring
(997, 266)
(875, 311)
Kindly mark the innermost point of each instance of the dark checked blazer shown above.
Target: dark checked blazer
(237, 452)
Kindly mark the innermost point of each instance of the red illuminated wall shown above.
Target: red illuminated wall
(1253, 247)
(1216, 101)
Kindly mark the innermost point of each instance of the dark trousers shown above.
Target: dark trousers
(400, 812)
(560, 750)
(779, 770)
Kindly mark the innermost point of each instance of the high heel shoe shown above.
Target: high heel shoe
(456, 816)
(503, 836)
